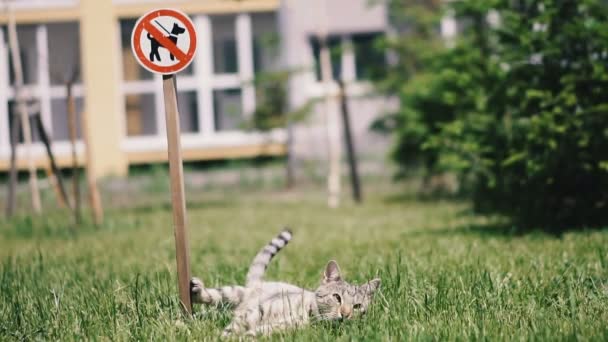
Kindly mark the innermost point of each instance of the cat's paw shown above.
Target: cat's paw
(251, 334)
(196, 289)
(227, 333)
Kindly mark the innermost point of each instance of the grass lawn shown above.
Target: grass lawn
(446, 274)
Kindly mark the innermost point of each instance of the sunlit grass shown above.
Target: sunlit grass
(445, 273)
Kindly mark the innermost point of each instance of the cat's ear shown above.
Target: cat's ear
(372, 286)
(332, 272)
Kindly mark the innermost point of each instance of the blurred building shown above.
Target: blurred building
(236, 39)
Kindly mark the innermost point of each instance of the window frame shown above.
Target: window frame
(203, 81)
(42, 91)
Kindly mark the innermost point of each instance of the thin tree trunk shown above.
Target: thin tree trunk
(73, 136)
(22, 108)
(94, 198)
(333, 130)
(350, 146)
(290, 163)
(56, 174)
(12, 179)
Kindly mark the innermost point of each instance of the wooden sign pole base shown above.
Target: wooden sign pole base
(178, 198)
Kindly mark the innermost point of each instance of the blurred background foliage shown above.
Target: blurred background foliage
(515, 105)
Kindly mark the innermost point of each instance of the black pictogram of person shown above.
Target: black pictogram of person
(154, 44)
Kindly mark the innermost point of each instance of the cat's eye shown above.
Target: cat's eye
(338, 298)
(357, 306)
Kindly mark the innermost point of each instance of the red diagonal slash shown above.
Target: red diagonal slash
(164, 41)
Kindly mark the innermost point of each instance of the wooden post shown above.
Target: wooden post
(331, 117)
(22, 109)
(178, 198)
(290, 166)
(12, 182)
(94, 198)
(54, 184)
(71, 107)
(55, 173)
(333, 131)
(350, 145)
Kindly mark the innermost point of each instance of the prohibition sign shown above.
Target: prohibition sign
(164, 41)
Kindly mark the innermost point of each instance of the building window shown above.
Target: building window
(228, 109)
(188, 111)
(28, 51)
(354, 57)
(143, 93)
(266, 47)
(61, 129)
(64, 52)
(140, 110)
(334, 44)
(218, 78)
(12, 108)
(225, 59)
(50, 56)
(131, 70)
(370, 60)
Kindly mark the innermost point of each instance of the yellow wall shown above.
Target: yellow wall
(105, 125)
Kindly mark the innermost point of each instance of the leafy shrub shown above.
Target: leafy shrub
(518, 110)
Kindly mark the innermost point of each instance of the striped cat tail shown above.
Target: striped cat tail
(265, 255)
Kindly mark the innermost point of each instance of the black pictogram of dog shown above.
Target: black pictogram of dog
(154, 44)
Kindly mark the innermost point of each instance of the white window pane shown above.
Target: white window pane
(228, 109)
(59, 112)
(131, 70)
(188, 111)
(224, 44)
(141, 115)
(370, 60)
(64, 52)
(26, 35)
(335, 50)
(266, 43)
(12, 107)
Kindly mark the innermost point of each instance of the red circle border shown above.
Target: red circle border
(139, 54)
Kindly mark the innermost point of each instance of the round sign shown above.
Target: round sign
(164, 41)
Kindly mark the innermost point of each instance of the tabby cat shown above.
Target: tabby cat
(262, 307)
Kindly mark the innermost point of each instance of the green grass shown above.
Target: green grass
(446, 274)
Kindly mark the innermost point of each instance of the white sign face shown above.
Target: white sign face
(164, 41)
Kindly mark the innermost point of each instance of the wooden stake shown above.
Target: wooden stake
(178, 198)
(290, 167)
(54, 184)
(12, 182)
(55, 174)
(94, 198)
(350, 145)
(71, 106)
(332, 124)
(22, 108)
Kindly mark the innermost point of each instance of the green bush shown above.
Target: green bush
(518, 110)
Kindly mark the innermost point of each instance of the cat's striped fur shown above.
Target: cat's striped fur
(233, 295)
(257, 269)
(262, 307)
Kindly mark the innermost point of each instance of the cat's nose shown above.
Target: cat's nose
(346, 312)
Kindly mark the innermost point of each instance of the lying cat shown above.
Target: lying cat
(262, 307)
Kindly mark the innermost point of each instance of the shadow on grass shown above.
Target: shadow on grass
(410, 197)
(498, 230)
(490, 230)
(495, 225)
